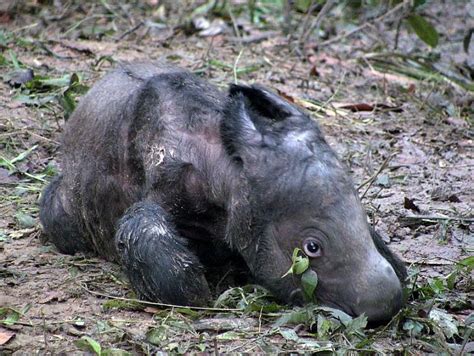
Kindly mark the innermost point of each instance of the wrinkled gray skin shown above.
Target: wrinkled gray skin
(162, 172)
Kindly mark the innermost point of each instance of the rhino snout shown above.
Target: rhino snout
(373, 290)
(380, 297)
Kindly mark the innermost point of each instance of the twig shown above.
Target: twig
(251, 341)
(371, 180)
(317, 21)
(397, 34)
(287, 17)
(109, 8)
(79, 23)
(436, 217)
(50, 52)
(234, 22)
(430, 263)
(45, 337)
(27, 27)
(205, 58)
(133, 29)
(311, 8)
(254, 38)
(39, 136)
(164, 305)
(235, 65)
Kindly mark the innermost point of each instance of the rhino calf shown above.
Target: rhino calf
(161, 172)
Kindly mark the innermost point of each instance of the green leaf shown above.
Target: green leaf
(424, 30)
(451, 280)
(87, 343)
(413, 327)
(303, 5)
(55, 82)
(203, 9)
(14, 59)
(24, 220)
(383, 180)
(230, 335)
(445, 321)
(337, 314)
(437, 285)
(68, 103)
(300, 265)
(356, 325)
(467, 262)
(295, 316)
(289, 334)
(187, 311)
(9, 316)
(325, 326)
(23, 155)
(156, 336)
(309, 281)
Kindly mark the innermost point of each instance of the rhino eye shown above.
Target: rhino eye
(312, 248)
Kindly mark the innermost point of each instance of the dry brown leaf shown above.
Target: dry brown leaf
(5, 336)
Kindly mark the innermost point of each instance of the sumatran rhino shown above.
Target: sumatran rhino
(163, 173)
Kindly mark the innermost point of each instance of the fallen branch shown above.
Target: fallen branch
(430, 263)
(409, 218)
(163, 305)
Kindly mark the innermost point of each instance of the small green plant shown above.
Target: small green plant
(42, 90)
(250, 298)
(90, 345)
(10, 316)
(438, 287)
(300, 267)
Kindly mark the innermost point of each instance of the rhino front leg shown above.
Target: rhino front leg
(159, 262)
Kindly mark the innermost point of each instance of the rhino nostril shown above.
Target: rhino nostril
(382, 304)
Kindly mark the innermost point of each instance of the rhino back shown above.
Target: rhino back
(132, 126)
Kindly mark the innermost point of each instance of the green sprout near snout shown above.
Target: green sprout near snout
(300, 267)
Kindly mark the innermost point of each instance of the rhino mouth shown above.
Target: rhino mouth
(375, 317)
(296, 297)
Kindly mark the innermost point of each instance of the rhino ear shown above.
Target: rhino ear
(249, 117)
(264, 102)
(238, 130)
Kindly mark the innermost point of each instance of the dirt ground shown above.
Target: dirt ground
(406, 140)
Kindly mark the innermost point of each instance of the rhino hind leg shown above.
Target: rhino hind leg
(61, 227)
(160, 263)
